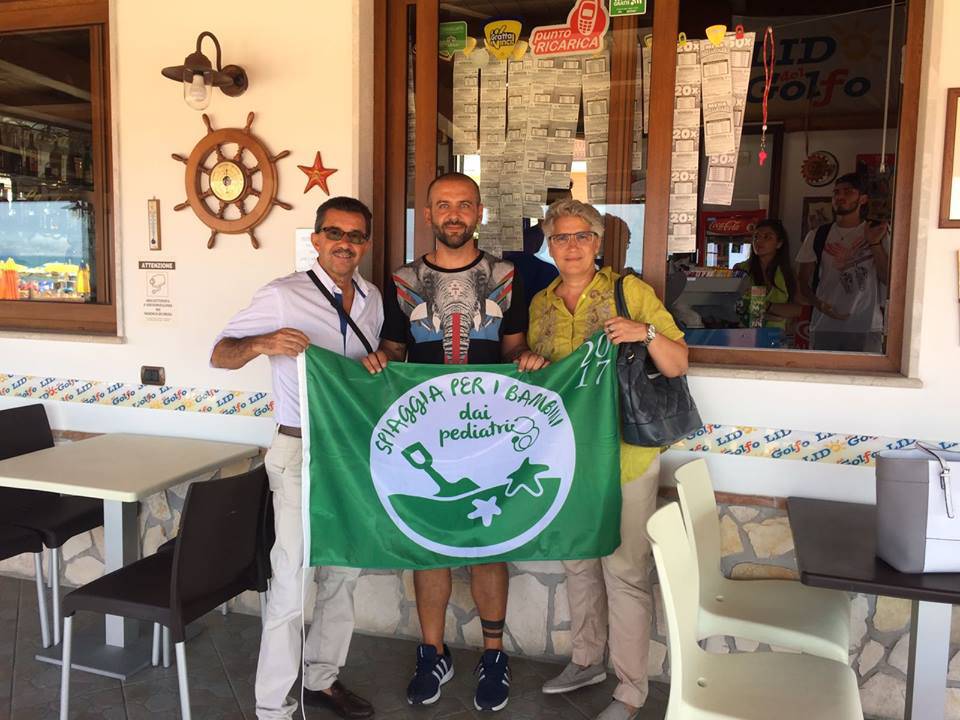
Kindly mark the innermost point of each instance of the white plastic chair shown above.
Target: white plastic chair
(778, 612)
(739, 686)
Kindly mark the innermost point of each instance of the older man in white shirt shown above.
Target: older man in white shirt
(284, 317)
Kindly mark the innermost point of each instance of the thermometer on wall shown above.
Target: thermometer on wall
(153, 223)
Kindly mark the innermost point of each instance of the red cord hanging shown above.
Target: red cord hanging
(769, 56)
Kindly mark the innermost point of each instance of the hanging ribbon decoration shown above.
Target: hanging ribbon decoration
(769, 56)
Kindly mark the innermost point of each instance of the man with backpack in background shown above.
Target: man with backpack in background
(843, 268)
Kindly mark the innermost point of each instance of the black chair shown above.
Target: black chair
(260, 579)
(214, 559)
(15, 541)
(56, 518)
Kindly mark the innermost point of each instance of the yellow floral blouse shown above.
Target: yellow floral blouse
(555, 333)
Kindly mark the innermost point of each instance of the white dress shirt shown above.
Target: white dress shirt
(293, 301)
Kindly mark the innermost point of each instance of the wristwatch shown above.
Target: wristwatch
(651, 334)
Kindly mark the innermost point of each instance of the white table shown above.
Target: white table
(121, 470)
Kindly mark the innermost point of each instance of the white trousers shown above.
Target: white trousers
(328, 640)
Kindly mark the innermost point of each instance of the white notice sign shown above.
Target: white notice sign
(157, 306)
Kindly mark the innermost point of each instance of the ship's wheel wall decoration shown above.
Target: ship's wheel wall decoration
(229, 181)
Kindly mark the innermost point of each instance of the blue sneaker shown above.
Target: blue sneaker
(493, 685)
(432, 671)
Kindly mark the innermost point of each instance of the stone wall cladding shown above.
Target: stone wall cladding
(756, 543)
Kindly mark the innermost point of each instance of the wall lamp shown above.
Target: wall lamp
(199, 78)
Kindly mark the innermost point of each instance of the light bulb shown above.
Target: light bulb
(196, 92)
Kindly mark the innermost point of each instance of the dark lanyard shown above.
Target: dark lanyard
(340, 311)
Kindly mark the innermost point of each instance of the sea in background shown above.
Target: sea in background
(38, 260)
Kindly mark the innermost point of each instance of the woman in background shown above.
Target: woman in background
(769, 267)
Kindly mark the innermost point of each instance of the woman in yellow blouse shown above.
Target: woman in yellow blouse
(610, 600)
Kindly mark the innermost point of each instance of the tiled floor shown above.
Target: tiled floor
(222, 661)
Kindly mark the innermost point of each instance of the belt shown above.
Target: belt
(289, 430)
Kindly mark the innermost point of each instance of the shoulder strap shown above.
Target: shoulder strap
(340, 311)
(819, 243)
(622, 309)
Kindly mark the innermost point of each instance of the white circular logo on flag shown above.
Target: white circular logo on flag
(473, 464)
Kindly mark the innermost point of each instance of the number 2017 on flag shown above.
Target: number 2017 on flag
(596, 356)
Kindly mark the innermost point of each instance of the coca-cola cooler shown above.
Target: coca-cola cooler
(708, 304)
(724, 237)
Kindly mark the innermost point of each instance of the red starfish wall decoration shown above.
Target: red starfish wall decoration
(317, 174)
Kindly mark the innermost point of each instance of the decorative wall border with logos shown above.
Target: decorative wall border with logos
(773, 443)
(803, 445)
(153, 397)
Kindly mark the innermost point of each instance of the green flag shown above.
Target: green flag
(425, 466)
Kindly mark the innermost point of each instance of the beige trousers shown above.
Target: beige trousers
(328, 640)
(610, 598)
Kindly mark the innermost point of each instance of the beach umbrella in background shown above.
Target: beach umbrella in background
(9, 280)
(59, 274)
(61, 268)
(83, 280)
(4, 282)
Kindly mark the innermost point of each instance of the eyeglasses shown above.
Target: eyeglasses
(335, 234)
(582, 238)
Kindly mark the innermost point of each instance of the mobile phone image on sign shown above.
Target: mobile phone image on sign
(588, 17)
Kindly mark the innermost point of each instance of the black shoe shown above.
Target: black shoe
(432, 671)
(343, 702)
(493, 686)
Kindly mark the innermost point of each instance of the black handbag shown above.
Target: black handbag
(655, 411)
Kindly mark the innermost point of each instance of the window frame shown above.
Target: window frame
(99, 318)
(389, 177)
(655, 228)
